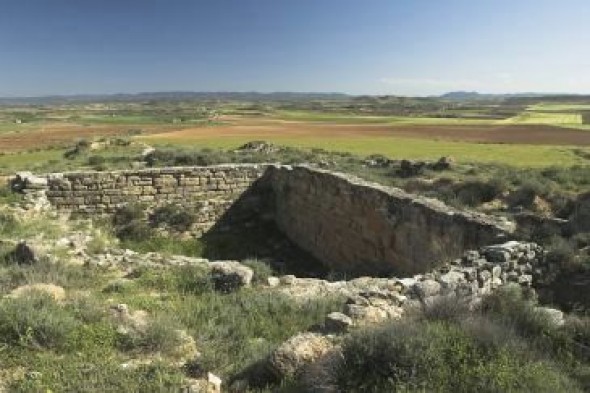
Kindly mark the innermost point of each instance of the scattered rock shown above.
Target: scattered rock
(273, 282)
(288, 279)
(365, 315)
(300, 350)
(211, 383)
(426, 288)
(338, 322)
(554, 315)
(230, 275)
(130, 322)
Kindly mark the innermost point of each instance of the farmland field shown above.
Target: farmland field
(536, 134)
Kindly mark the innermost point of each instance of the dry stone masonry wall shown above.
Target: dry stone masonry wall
(365, 228)
(350, 225)
(211, 190)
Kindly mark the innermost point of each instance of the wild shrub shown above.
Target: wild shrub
(175, 217)
(449, 309)
(81, 147)
(35, 320)
(45, 271)
(580, 215)
(160, 335)
(127, 213)
(193, 280)
(7, 195)
(562, 254)
(476, 192)
(438, 356)
(262, 270)
(510, 305)
(524, 196)
(7, 222)
(129, 223)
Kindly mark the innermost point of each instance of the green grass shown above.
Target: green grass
(12, 127)
(363, 119)
(34, 160)
(516, 155)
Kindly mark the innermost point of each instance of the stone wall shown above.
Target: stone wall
(210, 190)
(350, 225)
(364, 228)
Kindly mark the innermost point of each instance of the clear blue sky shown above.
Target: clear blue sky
(411, 47)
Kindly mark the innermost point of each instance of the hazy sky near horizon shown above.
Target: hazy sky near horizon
(413, 47)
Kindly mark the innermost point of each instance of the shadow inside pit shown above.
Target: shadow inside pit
(248, 230)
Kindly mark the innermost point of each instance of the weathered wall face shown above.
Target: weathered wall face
(348, 224)
(211, 190)
(364, 228)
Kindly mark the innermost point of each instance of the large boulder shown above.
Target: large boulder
(228, 276)
(553, 315)
(297, 352)
(338, 322)
(427, 288)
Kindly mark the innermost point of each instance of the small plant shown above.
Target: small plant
(35, 320)
(160, 335)
(262, 270)
(476, 192)
(176, 217)
(129, 223)
(81, 147)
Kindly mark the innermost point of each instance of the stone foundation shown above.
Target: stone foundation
(352, 226)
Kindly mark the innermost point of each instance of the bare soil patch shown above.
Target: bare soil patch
(64, 134)
(500, 134)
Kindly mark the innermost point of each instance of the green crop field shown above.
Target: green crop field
(517, 155)
(362, 119)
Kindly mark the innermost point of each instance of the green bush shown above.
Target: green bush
(262, 270)
(8, 196)
(161, 335)
(7, 222)
(134, 231)
(562, 254)
(476, 192)
(509, 304)
(437, 356)
(81, 147)
(35, 320)
(175, 217)
(128, 213)
(525, 195)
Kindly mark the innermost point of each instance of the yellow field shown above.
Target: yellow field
(549, 118)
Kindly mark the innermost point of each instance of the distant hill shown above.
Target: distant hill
(476, 96)
(173, 96)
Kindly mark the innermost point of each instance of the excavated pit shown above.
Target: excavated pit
(313, 221)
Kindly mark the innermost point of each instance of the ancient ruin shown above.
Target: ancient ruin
(348, 224)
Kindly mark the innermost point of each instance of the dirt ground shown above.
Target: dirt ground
(61, 134)
(508, 134)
